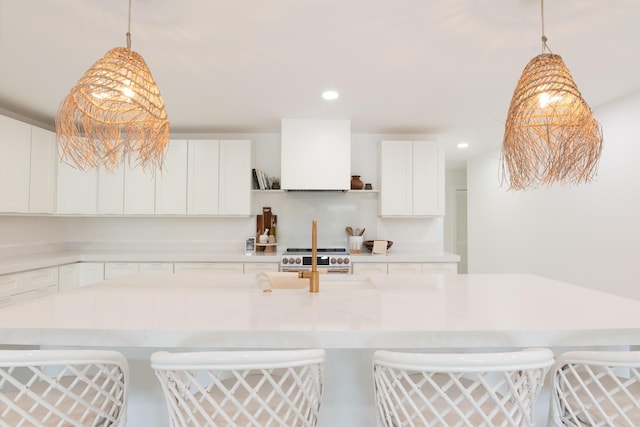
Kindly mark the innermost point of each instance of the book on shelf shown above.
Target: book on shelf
(260, 180)
(256, 182)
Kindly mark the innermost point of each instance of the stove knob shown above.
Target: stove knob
(346, 260)
(333, 260)
(298, 261)
(339, 260)
(285, 261)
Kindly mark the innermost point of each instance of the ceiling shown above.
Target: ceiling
(446, 68)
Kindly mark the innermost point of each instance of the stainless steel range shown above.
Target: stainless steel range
(330, 260)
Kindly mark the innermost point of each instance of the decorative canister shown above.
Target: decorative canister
(356, 183)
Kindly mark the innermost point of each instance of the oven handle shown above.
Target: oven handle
(320, 270)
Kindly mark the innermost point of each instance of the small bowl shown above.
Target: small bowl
(369, 244)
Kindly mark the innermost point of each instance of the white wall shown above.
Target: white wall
(587, 235)
(334, 211)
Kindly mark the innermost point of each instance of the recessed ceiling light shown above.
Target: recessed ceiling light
(330, 95)
(463, 145)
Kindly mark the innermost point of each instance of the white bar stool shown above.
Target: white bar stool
(242, 388)
(63, 388)
(472, 389)
(596, 388)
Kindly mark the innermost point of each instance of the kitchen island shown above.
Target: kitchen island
(351, 316)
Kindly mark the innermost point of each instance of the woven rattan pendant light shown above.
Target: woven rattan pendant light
(115, 111)
(550, 133)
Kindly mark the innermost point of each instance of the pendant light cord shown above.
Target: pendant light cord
(544, 37)
(129, 28)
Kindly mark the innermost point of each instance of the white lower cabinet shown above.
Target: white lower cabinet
(370, 268)
(11, 284)
(404, 268)
(116, 269)
(80, 274)
(440, 268)
(209, 267)
(41, 278)
(260, 267)
(19, 287)
(155, 267)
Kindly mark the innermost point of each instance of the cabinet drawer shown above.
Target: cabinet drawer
(370, 268)
(115, 269)
(209, 267)
(156, 267)
(10, 300)
(405, 268)
(11, 284)
(41, 278)
(40, 292)
(440, 268)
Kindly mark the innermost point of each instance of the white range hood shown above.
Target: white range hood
(315, 155)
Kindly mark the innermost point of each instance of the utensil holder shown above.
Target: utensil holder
(355, 244)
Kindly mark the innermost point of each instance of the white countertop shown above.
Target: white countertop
(229, 311)
(18, 263)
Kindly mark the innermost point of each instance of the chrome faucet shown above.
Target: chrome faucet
(313, 275)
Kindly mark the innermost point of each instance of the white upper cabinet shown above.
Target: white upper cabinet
(203, 180)
(235, 178)
(42, 185)
(15, 153)
(411, 179)
(171, 182)
(111, 191)
(219, 178)
(139, 190)
(77, 190)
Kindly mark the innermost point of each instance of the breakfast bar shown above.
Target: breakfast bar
(351, 316)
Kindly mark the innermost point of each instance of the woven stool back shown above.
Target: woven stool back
(474, 390)
(242, 388)
(63, 388)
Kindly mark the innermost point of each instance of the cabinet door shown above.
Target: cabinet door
(202, 177)
(77, 190)
(260, 267)
(139, 190)
(15, 152)
(209, 267)
(171, 182)
(235, 178)
(440, 268)
(42, 184)
(111, 191)
(428, 179)
(404, 268)
(156, 267)
(116, 269)
(11, 284)
(370, 268)
(41, 278)
(396, 178)
(79, 274)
